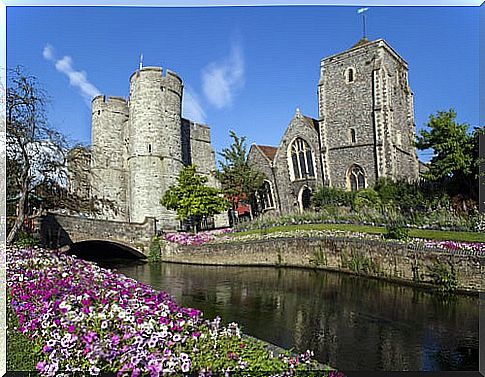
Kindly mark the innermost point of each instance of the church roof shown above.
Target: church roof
(268, 151)
(361, 42)
(364, 42)
(312, 122)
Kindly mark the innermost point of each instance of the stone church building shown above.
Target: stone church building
(365, 130)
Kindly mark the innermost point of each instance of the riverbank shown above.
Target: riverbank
(81, 317)
(417, 265)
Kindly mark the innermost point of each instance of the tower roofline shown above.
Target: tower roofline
(168, 72)
(380, 42)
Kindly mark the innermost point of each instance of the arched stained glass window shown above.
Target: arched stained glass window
(267, 200)
(302, 159)
(356, 177)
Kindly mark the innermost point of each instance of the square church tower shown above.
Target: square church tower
(366, 116)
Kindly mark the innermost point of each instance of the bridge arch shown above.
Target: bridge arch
(94, 249)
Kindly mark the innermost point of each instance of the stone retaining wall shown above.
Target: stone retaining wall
(371, 258)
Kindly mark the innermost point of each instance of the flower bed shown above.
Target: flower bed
(200, 238)
(475, 248)
(86, 318)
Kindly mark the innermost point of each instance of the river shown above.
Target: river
(350, 322)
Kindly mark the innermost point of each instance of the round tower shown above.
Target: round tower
(155, 152)
(108, 173)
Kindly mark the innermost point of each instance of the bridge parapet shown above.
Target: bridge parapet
(58, 230)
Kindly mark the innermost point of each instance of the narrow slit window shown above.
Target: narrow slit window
(352, 135)
(350, 75)
(149, 148)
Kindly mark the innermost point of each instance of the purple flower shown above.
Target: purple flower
(41, 365)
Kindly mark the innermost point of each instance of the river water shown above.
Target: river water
(350, 322)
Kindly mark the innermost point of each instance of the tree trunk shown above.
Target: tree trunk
(19, 221)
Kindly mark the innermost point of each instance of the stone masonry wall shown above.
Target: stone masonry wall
(261, 163)
(289, 190)
(371, 258)
(201, 152)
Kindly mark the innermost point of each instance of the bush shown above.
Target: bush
(444, 275)
(367, 198)
(396, 232)
(329, 196)
(154, 254)
(25, 239)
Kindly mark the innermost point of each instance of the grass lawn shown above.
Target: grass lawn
(21, 350)
(438, 235)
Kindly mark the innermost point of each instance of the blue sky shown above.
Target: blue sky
(244, 68)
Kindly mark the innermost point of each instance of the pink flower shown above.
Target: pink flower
(41, 365)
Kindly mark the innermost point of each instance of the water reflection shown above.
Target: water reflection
(351, 323)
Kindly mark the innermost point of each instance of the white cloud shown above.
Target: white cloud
(78, 79)
(191, 107)
(222, 80)
(48, 52)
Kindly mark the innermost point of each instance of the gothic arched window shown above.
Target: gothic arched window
(267, 199)
(356, 176)
(301, 159)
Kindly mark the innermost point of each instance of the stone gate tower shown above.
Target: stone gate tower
(139, 146)
(110, 120)
(154, 139)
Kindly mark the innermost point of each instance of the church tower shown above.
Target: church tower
(366, 115)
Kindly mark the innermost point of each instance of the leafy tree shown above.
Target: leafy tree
(455, 161)
(240, 182)
(35, 153)
(192, 199)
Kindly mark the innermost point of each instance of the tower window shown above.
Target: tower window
(149, 148)
(352, 135)
(350, 75)
(99, 112)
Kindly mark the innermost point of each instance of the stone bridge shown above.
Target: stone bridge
(94, 238)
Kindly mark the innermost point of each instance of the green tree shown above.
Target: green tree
(192, 199)
(454, 161)
(240, 182)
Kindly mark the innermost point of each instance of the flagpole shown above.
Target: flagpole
(362, 11)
